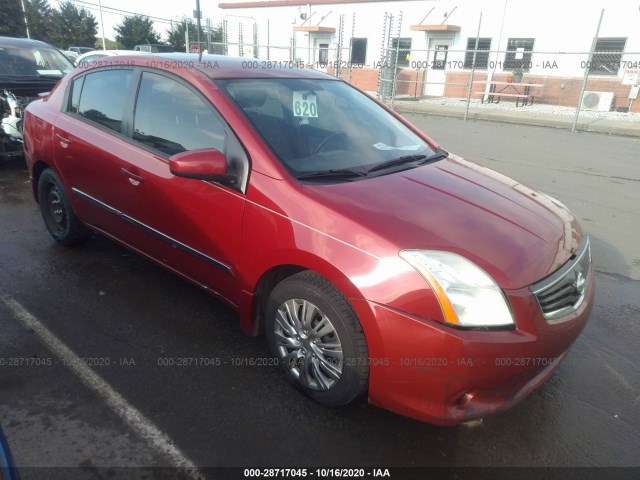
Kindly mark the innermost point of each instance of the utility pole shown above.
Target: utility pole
(199, 27)
(186, 35)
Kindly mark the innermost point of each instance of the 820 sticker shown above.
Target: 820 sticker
(305, 104)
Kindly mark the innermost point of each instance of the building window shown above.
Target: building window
(518, 54)
(403, 46)
(359, 50)
(482, 56)
(607, 56)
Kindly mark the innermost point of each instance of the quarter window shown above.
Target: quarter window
(103, 97)
(76, 89)
(170, 118)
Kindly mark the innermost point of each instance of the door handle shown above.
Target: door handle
(134, 179)
(63, 140)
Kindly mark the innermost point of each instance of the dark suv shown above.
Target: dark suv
(27, 69)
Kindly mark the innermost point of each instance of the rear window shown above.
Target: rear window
(33, 61)
(103, 97)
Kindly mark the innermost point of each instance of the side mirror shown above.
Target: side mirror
(206, 164)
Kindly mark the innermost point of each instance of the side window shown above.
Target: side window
(103, 97)
(76, 89)
(170, 118)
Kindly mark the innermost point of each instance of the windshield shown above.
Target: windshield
(317, 126)
(35, 61)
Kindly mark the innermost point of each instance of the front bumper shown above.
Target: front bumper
(432, 372)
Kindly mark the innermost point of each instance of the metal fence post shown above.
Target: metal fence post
(473, 69)
(586, 73)
(340, 42)
(395, 64)
(255, 40)
(353, 29)
(383, 55)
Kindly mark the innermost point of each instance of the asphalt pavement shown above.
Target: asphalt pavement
(91, 340)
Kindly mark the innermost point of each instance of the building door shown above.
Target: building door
(321, 53)
(436, 75)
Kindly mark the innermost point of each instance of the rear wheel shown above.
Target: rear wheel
(314, 333)
(62, 223)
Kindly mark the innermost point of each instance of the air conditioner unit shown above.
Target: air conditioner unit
(598, 101)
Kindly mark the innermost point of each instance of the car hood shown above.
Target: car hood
(27, 86)
(514, 233)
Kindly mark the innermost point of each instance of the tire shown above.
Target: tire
(58, 216)
(325, 357)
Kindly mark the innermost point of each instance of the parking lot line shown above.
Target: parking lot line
(131, 416)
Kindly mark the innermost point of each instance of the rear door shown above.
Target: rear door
(89, 147)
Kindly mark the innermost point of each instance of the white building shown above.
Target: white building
(550, 40)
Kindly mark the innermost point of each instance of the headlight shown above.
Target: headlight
(468, 296)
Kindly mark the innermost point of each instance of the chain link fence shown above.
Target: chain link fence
(517, 83)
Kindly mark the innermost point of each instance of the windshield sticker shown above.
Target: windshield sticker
(304, 104)
(384, 146)
(49, 72)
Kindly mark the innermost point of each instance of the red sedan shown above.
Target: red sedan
(373, 260)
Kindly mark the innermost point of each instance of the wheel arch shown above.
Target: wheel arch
(38, 167)
(254, 300)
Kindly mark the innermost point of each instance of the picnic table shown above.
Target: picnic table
(520, 91)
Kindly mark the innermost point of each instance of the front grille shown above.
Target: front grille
(564, 290)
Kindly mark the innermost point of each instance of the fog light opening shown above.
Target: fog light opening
(462, 400)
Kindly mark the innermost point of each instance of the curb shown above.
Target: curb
(550, 122)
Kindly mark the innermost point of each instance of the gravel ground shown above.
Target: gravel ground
(535, 108)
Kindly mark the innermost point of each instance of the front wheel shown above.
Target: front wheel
(314, 333)
(62, 223)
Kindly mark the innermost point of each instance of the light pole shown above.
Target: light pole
(104, 47)
(26, 24)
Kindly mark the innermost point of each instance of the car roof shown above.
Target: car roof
(22, 42)
(106, 53)
(222, 66)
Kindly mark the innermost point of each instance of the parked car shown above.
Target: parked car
(88, 59)
(71, 56)
(27, 69)
(374, 261)
(81, 50)
(153, 48)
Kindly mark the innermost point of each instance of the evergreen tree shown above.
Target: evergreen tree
(38, 17)
(135, 30)
(72, 26)
(12, 19)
